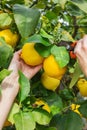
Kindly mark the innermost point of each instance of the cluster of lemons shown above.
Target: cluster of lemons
(52, 73)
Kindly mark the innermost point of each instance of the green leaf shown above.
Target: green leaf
(66, 94)
(74, 10)
(45, 34)
(5, 20)
(55, 103)
(41, 116)
(83, 109)
(24, 86)
(66, 36)
(51, 15)
(36, 38)
(82, 4)
(6, 53)
(44, 51)
(61, 55)
(62, 2)
(76, 74)
(4, 73)
(24, 121)
(15, 109)
(68, 121)
(26, 19)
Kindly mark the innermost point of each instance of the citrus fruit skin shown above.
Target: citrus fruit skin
(52, 68)
(82, 86)
(43, 104)
(49, 83)
(10, 37)
(30, 55)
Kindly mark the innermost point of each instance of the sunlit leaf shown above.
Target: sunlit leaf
(24, 121)
(5, 20)
(4, 73)
(26, 19)
(37, 38)
(24, 86)
(15, 109)
(82, 4)
(41, 116)
(61, 55)
(45, 35)
(66, 36)
(76, 74)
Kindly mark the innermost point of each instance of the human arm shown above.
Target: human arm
(81, 54)
(10, 86)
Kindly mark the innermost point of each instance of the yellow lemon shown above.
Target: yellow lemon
(44, 105)
(10, 37)
(52, 68)
(30, 55)
(49, 83)
(75, 107)
(82, 86)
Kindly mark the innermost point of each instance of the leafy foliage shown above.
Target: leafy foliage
(26, 19)
(69, 121)
(53, 25)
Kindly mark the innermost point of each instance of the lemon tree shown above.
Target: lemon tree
(46, 32)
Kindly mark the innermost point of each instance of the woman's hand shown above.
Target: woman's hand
(18, 64)
(81, 53)
(10, 85)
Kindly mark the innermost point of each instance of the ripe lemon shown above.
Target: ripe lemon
(82, 86)
(49, 83)
(52, 68)
(43, 104)
(10, 37)
(30, 55)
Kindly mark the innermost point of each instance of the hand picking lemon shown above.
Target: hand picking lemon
(43, 104)
(10, 37)
(49, 83)
(30, 55)
(52, 68)
(82, 86)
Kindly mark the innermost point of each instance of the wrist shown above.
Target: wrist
(11, 82)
